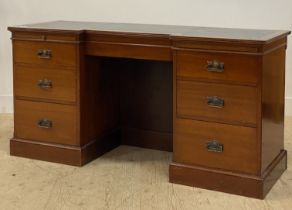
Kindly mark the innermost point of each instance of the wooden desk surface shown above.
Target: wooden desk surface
(230, 34)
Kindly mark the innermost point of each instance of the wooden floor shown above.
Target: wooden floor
(126, 178)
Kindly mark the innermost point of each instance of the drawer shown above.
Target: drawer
(217, 102)
(215, 145)
(43, 83)
(45, 53)
(45, 122)
(218, 66)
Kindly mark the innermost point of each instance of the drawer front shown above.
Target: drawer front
(45, 53)
(218, 66)
(217, 102)
(215, 145)
(45, 83)
(45, 122)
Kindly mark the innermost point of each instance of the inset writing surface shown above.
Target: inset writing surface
(160, 30)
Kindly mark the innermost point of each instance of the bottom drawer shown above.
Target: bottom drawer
(45, 122)
(215, 145)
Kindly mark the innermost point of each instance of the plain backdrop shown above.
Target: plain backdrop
(258, 14)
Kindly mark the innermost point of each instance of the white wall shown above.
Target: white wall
(260, 14)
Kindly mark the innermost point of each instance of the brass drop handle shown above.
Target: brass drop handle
(44, 54)
(215, 66)
(214, 146)
(45, 84)
(45, 123)
(215, 101)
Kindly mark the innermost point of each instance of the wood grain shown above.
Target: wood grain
(63, 117)
(147, 138)
(63, 83)
(240, 184)
(273, 99)
(62, 54)
(145, 94)
(252, 36)
(46, 152)
(239, 102)
(237, 68)
(121, 50)
(99, 99)
(239, 146)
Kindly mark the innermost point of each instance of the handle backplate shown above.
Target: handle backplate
(45, 123)
(215, 66)
(215, 101)
(44, 53)
(214, 146)
(45, 84)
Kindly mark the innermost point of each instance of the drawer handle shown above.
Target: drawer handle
(214, 146)
(44, 54)
(215, 101)
(215, 66)
(45, 123)
(45, 84)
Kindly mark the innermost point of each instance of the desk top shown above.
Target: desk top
(252, 35)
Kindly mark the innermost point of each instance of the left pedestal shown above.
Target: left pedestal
(48, 99)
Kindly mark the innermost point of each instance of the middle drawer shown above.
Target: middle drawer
(45, 83)
(217, 102)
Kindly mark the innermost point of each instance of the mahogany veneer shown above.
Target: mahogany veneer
(213, 96)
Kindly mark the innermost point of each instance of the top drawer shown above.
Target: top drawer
(45, 53)
(217, 66)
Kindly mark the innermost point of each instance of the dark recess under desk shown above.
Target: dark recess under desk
(143, 109)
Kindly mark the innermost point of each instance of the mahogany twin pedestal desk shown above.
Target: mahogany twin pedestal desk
(213, 96)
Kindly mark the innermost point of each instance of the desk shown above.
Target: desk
(213, 96)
